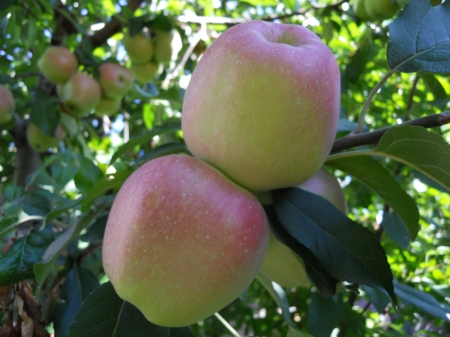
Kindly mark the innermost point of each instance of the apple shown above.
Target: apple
(182, 241)
(167, 45)
(381, 9)
(139, 47)
(281, 264)
(359, 8)
(262, 105)
(80, 94)
(115, 80)
(107, 107)
(7, 104)
(57, 64)
(39, 141)
(146, 72)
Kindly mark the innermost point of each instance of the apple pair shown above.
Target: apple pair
(183, 239)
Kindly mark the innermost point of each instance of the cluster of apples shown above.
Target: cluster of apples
(375, 10)
(150, 52)
(186, 235)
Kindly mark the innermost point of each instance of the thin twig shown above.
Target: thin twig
(227, 325)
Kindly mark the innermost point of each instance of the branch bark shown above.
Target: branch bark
(372, 138)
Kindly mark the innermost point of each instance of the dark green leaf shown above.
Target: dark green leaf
(67, 205)
(4, 4)
(79, 283)
(105, 314)
(378, 299)
(96, 231)
(433, 84)
(349, 251)
(65, 168)
(372, 174)
(17, 264)
(358, 61)
(420, 38)
(396, 229)
(324, 314)
(45, 113)
(88, 175)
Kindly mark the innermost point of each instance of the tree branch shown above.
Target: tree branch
(372, 138)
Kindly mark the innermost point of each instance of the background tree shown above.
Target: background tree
(391, 155)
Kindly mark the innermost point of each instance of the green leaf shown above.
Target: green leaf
(108, 182)
(378, 299)
(294, 332)
(17, 264)
(358, 61)
(67, 205)
(420, 38)
(105, 314)
(79, 283)
(433, 84)
(160, 151)
(96, 230)
(423, 301)
(6, 3)
(48, 121)
(324, 314)
(373, 175)
(65, 168)
(396, 229)
(349, 251)
(146, 137)
(88, 174)
(255, 3)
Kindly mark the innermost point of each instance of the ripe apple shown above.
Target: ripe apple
(80, 94)
(7, 104)
(281, 264)
(115, 80)
(263, 105)
(140, 47)
(107, 107)
(57, 64)
(167, 45)
(182, 241)
(39, 141)
(146, 72)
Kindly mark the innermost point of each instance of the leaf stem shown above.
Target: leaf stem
(227, 325)
(366, 105)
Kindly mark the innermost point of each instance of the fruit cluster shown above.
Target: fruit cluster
(369, 10)
(149, 53)
(186, 235)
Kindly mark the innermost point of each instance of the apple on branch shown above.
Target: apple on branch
(39, 141)
(146, 72)
(57, 64)
(182, 241)
(263, 95)
(115, 80)
(139, 47)
(7, 104)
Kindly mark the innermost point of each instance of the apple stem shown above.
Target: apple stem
(227, 325)
(372, 94)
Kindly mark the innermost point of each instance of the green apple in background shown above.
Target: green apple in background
(359, 8)
(381, 9)
(107, 107)
(39, 141)
(146, 72)
(115, 80)
(263, 104)
(167, 45)
(57, 64)
(281, 264)
(182, 241)
(7, 104)
(80, 94)
(139, 47)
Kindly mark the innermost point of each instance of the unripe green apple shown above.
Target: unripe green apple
(7, 104)
(107, 107)
(115, 80)
(57, 64)
(380, 9)
(146, 72)
(281, 264)
(80, 94)
(140, 47)
(167, 45)
(39, 141)
(182, 241)
(263, 105)
(359, 8)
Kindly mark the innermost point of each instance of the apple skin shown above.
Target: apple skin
(115, 80)
(57, 64)
(182, 241)
(140, 47)
(107, 107)
(167, 45)
(146, 72)
(281, 264)
(39, 141)
(263, 105)
(80, 94)
(7, 104)
(380, 9)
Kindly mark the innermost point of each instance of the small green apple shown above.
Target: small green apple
(140, 47)
(182, 241)
(167, 45)
(146, 72)
(7, 104)
(359, 8)
(80, 94)
(39, 141)
(115, 80)
(381, 9)
(107, 107)
(57, 64)
(281, 264)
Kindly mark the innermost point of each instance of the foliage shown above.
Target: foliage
(382, 271)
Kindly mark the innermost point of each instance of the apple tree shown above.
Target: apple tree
(93, 91)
